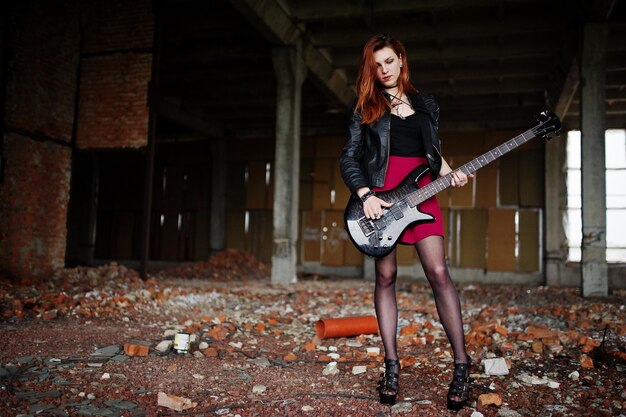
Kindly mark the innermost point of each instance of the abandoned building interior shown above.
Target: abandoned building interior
(154, 132)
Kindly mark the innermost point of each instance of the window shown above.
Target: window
(615, 195)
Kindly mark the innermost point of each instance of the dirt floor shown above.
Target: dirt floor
(65, 347)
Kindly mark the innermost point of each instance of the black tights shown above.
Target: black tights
(432, 256)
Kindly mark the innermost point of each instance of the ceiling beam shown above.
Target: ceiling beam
(279, 27)
(567, 72)
(505, 70)
(485, 87)
(612, 122)
(568, 90)
(215, 77)
(174, 113)
(616, 108)
(504, 101)
(478, 51)
(598, 10)
(407, 31)
(202, 73)
(214, 54)
(318, 10)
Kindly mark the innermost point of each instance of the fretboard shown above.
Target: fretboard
(441, 183)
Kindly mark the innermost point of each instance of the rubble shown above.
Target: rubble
(174, 402)
(496, 366)
(164, 346)
(227, 265)
(330, 369)
(359, 369)
(254, 349)
(136, 349)
(259, 389)
(490, 399)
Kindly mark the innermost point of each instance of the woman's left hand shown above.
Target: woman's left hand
(459, 179)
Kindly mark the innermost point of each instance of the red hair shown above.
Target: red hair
(371, 102)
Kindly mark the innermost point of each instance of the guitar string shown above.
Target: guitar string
(422, 195)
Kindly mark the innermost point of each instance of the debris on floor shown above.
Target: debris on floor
(102, 342)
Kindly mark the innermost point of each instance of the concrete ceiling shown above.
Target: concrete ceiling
(490, 63)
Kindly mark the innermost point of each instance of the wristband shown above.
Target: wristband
(367, 195)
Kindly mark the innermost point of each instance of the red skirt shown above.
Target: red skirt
(397, 170)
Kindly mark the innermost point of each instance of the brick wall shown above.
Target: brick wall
(116, 69)
(115, 25)
(40, 100)
(115, 64)
(42, 71)
(33, 206)
(113, 110)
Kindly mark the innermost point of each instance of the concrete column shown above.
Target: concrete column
(218, 195)
(290, 74)
(555, 192)
(593, 126)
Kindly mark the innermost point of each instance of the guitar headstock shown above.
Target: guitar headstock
(548, 123)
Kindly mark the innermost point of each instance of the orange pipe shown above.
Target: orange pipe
(346, 327)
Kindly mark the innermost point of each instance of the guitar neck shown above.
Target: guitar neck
(441, 183)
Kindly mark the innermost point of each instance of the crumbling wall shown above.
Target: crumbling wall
(116, 68)
(39, 115)
(78, 76)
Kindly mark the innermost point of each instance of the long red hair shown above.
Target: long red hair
(371, 102)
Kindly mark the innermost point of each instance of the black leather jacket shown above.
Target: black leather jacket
(366, 151)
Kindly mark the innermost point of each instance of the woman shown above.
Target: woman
(393, 130)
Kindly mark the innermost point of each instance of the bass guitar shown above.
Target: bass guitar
(378, 237)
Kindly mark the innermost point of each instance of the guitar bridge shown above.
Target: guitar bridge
(366, 225)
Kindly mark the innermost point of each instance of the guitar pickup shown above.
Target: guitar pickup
(396, 210)
(366, 225)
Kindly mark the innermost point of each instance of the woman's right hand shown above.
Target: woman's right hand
(373, 206)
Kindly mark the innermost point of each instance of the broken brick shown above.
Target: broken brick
(49, 315)
(408, 361)
(502, 330)
(490, 399)
(585, 361)
(411, 329)
(131, 349)
(210, 352)
(174, 403)
(540, 332)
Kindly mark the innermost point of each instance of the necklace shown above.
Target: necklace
(396, 102)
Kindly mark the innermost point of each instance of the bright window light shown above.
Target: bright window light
(615, 195)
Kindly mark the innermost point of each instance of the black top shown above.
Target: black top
(406, 134)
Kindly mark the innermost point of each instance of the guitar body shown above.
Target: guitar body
(378, 237)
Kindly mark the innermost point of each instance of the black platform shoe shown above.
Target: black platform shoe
(460, 387)
(389, 385)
